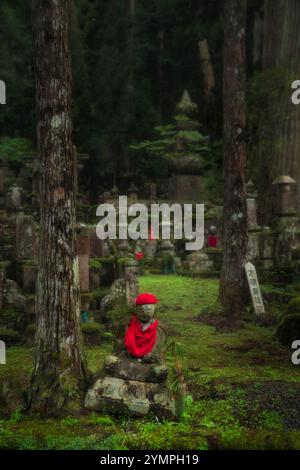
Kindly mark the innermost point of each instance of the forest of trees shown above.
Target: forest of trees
(135, 84)
(131, 62)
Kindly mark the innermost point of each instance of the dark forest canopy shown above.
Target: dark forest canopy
(131, 62)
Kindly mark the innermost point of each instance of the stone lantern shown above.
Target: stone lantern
(186, 183)
(284, 195)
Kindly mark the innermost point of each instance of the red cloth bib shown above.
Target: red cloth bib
(139, 342)
(212, 241)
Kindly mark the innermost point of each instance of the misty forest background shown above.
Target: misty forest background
(131, 62)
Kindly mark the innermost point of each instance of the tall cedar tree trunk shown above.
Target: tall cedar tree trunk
(59, 371)
(235, 217)
(281, 54)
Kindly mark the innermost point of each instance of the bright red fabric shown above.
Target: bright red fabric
(139, 342)
(212, 241)
(146, 298)
(139, 255)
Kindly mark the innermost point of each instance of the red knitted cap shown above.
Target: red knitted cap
(146, 298)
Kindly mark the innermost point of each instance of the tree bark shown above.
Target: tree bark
(281, 53)
(59, 370)
(206, 67)
(235, 216)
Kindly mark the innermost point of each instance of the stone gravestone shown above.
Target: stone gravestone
(256, 297)
(26, 237)
(96, 245)
(284, 195)
(13, 199)
(83, 251)
(131, 281)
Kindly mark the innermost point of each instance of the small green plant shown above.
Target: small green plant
(70, 421)
(17, 415)
(184, 402)
(101, 420)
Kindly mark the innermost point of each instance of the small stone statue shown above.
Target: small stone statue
(144, 338)
(134, 381)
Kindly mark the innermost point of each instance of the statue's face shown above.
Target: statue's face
(145, 313)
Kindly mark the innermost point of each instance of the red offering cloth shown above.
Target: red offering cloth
(139, 255)
(139, 342)
(212, 241)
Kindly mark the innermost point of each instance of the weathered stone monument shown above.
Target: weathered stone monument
(131, 281)
(83, 251)
(26, 237)
(187, 167)
(253, 228)
(13, 198)
(256, 297)
(286, 222)
(284, 195)
(134, 380)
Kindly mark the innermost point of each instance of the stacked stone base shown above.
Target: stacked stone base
(133, 388)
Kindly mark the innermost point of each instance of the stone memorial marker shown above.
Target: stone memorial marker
(83, 251)
(26, 237)
(131, 281)
(254, 288)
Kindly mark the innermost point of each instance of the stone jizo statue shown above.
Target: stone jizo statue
(134, 380)
(144, 338)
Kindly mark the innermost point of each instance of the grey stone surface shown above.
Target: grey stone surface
(129, 396)
(26, 237)
(13, 297)
(132, 369)
(199, 262)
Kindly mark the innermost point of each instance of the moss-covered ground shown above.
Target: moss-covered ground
(244, 386)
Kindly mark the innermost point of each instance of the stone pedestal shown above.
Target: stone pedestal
(130, 386)
(115, 395)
